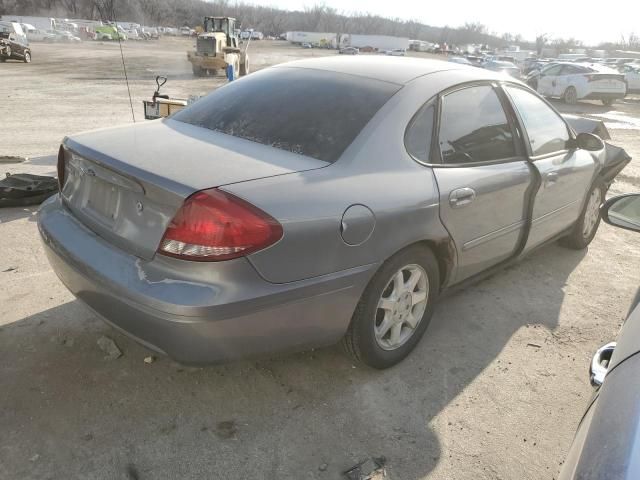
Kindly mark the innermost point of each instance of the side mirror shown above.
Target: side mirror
(589, 141)
(623, 211)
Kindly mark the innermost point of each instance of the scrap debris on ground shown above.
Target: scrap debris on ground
(370, 469)
(109, 347)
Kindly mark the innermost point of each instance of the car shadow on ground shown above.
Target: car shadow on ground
(69, 412)
(9, 214)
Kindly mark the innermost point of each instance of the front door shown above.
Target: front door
(566, 173)
(547, 79)
(483, 179)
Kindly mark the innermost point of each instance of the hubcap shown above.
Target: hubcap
(401, 307)
(592, 213)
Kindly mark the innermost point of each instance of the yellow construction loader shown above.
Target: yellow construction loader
(217, 48)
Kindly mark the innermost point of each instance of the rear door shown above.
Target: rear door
(566, 173)
(565, 79)
(483, 177)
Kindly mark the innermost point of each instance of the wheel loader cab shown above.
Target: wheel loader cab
(222, 25)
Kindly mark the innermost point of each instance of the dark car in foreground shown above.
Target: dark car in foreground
(266, 218)
(607, 443)
(13, 44)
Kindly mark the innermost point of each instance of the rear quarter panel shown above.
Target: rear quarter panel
(375, 171)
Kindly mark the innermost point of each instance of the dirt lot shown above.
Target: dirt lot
(494, 391)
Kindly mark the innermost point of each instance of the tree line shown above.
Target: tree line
(274, 21)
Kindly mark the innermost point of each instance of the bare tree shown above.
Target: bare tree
(541, 41)
(319, 17)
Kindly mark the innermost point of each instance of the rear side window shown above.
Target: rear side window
(546, 130)
(474, 127)
(310, 112)
(418, 136)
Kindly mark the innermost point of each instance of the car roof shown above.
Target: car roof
(399, 70)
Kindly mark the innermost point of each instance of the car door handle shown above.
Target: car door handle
(461, 197)
(550, 178)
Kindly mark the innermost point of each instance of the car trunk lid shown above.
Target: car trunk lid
(606, 81)
(127, 183)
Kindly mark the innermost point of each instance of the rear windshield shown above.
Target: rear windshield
(310, 112)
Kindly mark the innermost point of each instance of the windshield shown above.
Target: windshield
(310, 112)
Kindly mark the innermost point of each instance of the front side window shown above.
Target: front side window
(551, 71)
(546, 130)
(474, 127)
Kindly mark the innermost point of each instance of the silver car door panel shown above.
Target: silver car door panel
(487, 227)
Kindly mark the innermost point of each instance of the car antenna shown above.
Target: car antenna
(124, 66)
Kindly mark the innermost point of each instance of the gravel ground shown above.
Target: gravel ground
(494, 391)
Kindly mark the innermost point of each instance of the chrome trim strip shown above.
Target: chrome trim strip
(493, 235)
(552, 213)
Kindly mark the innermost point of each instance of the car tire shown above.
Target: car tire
(198, 71)
(607, 102)
(587, 225)
(27, 57)
(570, 96)
(369, 339)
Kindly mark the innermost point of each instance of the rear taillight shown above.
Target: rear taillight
(61, 168)
(590, 78)
(213, 225)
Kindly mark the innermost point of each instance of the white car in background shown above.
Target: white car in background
(631, 72)
(398, 52)
(582, 81)
(37, 35)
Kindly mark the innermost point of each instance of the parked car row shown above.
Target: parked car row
(495, 64)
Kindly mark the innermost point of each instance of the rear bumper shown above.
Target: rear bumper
(196, 312)
(604, 95)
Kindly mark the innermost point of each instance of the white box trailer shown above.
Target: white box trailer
(314, 38)
(40, 23)
(377, 42)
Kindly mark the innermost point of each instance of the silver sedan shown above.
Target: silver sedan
(317, 201)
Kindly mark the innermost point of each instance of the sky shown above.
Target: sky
(592, 21)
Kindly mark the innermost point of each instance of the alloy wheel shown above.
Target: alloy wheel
(591, 213)
(401, 307)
